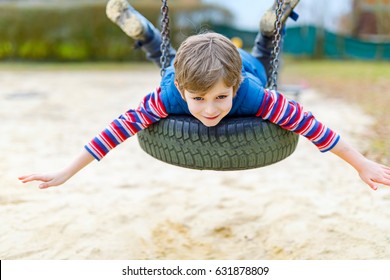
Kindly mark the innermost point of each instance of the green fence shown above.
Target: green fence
(310, 41)
(337, 46)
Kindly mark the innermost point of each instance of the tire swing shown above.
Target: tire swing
(234, 144)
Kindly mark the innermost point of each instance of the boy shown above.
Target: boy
(210, 79)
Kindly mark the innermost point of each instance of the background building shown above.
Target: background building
(371, 19)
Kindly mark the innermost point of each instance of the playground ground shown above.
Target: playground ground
(131, 206)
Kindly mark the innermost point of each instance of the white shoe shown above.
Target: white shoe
(267, 22)
(127, 18)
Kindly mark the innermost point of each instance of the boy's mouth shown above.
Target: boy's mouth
(211, 118)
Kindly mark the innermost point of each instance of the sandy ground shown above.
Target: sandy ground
(131, 206)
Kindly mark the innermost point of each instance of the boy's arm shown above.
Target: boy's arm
(128, 124)
(60, 177)
(149, 111)
(290, 115)
(369, 171)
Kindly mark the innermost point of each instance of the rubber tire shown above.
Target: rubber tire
(234, 144)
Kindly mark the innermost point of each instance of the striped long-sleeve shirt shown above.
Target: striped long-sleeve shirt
(126, 125)
(274, 107)
(290, 115)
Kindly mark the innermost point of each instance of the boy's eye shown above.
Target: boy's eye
(198, 98)
(221, 96)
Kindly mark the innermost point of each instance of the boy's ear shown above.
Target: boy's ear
(177, 85)
(178, 88)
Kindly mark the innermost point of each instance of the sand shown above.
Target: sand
(132, 206)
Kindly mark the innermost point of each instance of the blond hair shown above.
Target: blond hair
(203, 59)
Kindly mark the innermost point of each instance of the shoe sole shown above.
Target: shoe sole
(267, 23)
(119, 12)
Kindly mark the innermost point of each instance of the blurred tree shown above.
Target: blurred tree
(371, 19)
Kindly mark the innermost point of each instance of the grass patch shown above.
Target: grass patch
(365, 83)
(76, 66)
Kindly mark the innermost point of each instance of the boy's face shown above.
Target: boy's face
(212, 107)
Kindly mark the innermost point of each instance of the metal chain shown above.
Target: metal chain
(165, 43)
(273, 75)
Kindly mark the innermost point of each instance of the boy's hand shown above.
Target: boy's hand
(58, 178)
(374, 174)
(49, 179)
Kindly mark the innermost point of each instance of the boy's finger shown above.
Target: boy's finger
(44, 186)
(32, 177)
(47, 185)
(384, 181)
(23, 177)
(372, 185)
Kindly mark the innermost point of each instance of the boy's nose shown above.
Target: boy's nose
(211, 110)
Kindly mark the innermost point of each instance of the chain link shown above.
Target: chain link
(165, 44)
(273, 75)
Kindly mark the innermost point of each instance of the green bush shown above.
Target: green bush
(6, 50)
(78, 32)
